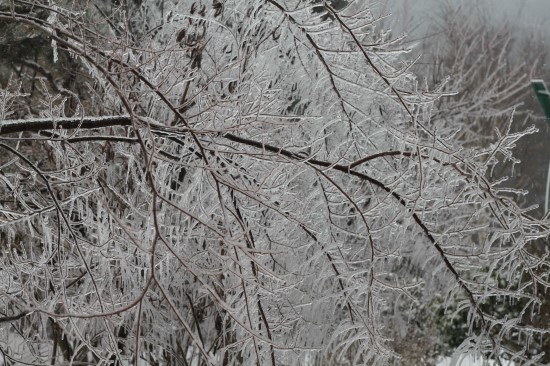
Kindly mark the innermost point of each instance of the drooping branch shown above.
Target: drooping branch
(97, 122)
(396, 195)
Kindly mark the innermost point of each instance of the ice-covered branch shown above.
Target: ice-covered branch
(67, 123)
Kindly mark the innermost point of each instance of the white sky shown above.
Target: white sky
(534, 14)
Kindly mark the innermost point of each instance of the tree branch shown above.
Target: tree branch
(7, 319)
(69, 123)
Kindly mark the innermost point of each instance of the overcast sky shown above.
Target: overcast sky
(534, 14)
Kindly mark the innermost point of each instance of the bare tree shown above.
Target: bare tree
(245, 182)
(489, 65)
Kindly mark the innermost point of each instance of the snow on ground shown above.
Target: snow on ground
(468, 360)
